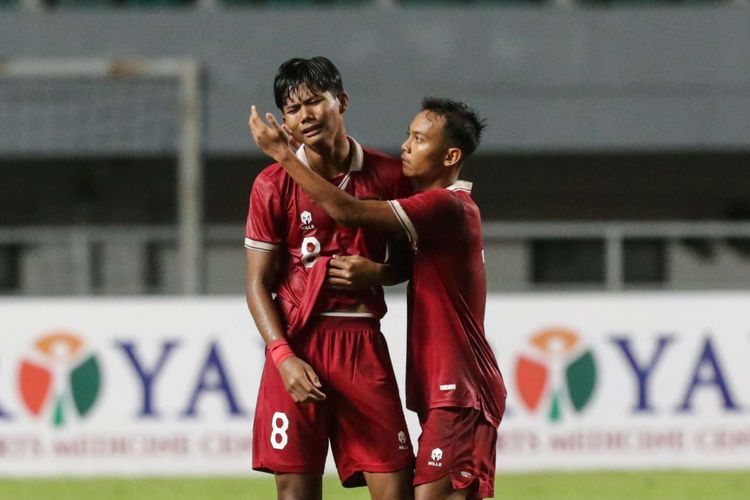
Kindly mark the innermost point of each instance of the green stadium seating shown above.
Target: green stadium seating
(465, 2)
(606, 3)
(157, 3)
(81, 3)
(290, 2)
(117, 3)
(243, 3)
(315, 2)
(294, 3)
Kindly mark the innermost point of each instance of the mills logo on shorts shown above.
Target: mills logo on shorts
(402, 441)
(306, 218)
(437, 455)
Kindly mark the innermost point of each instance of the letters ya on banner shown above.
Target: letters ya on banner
(132, 385)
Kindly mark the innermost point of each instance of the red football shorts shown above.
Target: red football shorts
(362, 415)
(458, 442)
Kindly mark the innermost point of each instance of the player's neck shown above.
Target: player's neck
(332, 158)
(443, 181)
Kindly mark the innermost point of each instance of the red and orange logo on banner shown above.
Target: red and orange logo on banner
(62, 377)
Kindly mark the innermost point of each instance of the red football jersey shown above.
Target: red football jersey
(283, 218)
(449, 362)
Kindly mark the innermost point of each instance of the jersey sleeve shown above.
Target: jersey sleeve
(428, 215)
(264, 217)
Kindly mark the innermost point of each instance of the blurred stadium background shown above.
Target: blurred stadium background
(614, 183)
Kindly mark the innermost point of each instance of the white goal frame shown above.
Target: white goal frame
(187, 74)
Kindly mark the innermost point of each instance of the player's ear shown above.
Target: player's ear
(452, 157)
(343, 102)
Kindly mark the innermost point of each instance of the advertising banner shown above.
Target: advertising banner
(167, 386)
(127, 386)
(627, 381)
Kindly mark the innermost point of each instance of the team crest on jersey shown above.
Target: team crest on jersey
(437, 456)
(306, 218)
(402, 441)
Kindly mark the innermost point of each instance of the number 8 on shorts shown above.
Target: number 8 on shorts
(279, 438)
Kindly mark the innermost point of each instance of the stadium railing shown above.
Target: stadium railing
(143, 257)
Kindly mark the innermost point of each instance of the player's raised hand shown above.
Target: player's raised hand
(354, 272)
(268, 135)
(301, 381)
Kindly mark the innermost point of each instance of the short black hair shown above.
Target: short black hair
(317, 74)
(463, 125)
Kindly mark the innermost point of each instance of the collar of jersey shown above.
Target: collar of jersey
(460, 186)
(354, 166)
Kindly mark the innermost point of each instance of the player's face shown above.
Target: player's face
(423, 152)
(312, 116)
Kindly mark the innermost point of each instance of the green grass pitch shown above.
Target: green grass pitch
(683, 485)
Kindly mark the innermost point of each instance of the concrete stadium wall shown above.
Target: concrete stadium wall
(546, 78)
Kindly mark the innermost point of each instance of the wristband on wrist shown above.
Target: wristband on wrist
(279, 351)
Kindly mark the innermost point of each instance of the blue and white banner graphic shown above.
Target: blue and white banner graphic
(155, 386)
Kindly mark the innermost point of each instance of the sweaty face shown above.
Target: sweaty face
(313, 116)
(423, 152)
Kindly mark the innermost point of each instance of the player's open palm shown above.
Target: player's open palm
(301, 381)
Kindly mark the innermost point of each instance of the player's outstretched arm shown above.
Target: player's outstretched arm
(343, 208)
(299, 378)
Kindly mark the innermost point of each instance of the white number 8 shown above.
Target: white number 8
(310, 250)
(279, 438)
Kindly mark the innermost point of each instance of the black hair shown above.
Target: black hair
(317, 74)
(463, 125)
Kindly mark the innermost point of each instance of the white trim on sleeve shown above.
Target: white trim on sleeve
(460, 186)
(260, 245)
(411, 231)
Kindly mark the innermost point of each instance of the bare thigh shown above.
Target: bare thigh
(442, 489)
(299, 486)
(390, 485)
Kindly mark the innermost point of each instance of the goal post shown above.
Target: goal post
(60, 89)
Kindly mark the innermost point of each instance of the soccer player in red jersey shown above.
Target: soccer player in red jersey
(453, 381)
(328, 374)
